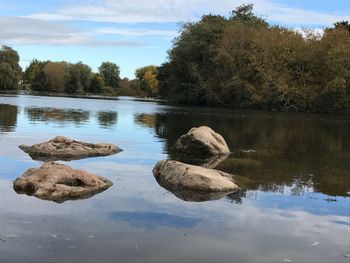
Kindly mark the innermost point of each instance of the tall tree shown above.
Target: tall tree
(10, 71)
(52, 78)
(33, 70)
(110, 73)
(147, 78)
(79, 78)
(96, 84)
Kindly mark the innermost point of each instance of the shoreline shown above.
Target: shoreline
(98, 97)
(149, 99)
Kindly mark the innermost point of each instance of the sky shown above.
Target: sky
(134, 33)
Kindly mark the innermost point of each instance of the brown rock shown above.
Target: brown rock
(65, 149)
(58, 182)
(209, 161)
(179, 177)
(202, 141)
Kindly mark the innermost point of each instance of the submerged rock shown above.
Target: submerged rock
(202, 141)
(180, 177)
(58, 182)
(65, 149)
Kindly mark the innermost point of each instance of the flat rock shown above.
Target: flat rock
(202, 141)
(65, 149)
(58, 182)
(179, 177)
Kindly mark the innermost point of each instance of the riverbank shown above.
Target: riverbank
(78, 96)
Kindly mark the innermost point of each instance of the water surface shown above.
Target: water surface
(293, 169)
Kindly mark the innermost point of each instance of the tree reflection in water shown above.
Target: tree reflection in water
(107, 119)
(272, 152)
(8, 117)
(61, 116)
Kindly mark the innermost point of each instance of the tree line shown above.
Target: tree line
(243, 62)
(78, 78)
(73, 78)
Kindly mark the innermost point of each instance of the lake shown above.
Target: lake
(293, 170)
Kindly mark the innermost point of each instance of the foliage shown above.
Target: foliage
(244, 14)
(79, 78)
(342, 25)
(147, 79)
(130, 88)
(96, 84)
(33, 70)
(59, 77)
(10, 71)
(243, 62)
(110, 73)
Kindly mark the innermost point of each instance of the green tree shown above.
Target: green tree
(244, 13)
(110, 73)
(79, 78)
(243, 62)
(96, 84)
(191, 62)
(52, 78)
(41, 82)
(10, 71)
(33, 70)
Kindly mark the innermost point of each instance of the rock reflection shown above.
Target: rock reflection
(59, 115)
(8, 117)
(107, 119)
(63, 199)
(194, 196)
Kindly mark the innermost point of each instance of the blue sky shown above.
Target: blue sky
(133, 33)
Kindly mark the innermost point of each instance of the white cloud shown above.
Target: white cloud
(27, 31)
(135, 11)
(137, 32)
(127, 11)
(288, 15)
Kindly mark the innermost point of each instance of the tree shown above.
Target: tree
(41, 82)
(10, 71)
(79, 78)
(147, 78)
(52, 78)
(244, 13)
(342, 25)
(96, 84)
(243, 62)
(33, 70)
(110, 73)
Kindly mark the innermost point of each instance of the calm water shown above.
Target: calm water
(294, 171)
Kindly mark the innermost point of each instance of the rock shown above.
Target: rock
(202, 141)
(58, 182)
(178, 177)
(209, 162)
(65, 149)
